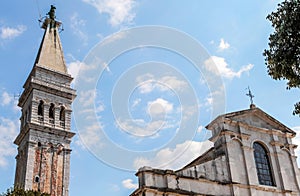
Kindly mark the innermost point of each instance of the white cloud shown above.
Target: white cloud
(200, 129)
(6, 99)
(91, 137)
(10, 33)
(73, 68)
(223, 44)
(219, 66)
(188, 111)
(147, 83)
(173, 83)
(128, 184)
(87, 98)
(119, 11)
(77, 25)
(175, 158)
(8, 132)
(77, 69)
(209, 100)
(138, 127)
(160, 111)
(146, 87)
(159, 107)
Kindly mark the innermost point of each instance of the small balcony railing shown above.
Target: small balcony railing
(62, 124)
(41, 119)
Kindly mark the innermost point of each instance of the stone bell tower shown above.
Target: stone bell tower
(43, 160)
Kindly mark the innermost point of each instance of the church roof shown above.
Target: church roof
(253, 111)
(50, 54)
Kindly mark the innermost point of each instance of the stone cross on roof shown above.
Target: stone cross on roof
(249, 94)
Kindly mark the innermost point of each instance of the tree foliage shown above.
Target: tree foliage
(283, 56)
(21, 192)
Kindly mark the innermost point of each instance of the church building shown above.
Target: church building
(253, 154)
(43, 160)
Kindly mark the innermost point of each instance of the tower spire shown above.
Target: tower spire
(50, 54)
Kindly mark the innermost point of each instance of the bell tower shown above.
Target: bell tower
(43, 160)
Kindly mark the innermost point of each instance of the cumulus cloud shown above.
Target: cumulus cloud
(6, 99)
(223, 45)
(10, 32)
(141, 128)
(219, 66)
(73, 68)
(188, 111)
(91, 137)
(128, 184)
(147, 83)
(8, 132)
(87, 98)
(120, 11)
(161, 112)
(77, 25)
(159, 107)
(77, 69)
(176, 158)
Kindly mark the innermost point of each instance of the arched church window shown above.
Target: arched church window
(41, 108)
(62, 113)
(263, 166)
(51, 111)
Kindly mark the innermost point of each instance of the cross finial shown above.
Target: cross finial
(249, 94)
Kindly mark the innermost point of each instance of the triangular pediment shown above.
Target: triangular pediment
(254, 117)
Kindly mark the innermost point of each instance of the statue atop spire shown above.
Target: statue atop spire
(51, 19)
(51, 13)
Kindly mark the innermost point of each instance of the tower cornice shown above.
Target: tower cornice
(47, 130)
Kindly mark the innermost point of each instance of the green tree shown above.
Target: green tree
(283, 56)
(21, 192)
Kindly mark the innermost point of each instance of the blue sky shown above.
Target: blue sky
(172, 67)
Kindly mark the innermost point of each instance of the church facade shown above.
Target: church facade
(253, 154)
(43, 160)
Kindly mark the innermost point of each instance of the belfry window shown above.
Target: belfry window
(51, 111)
(41, 108)
(263, 167)
(62, 113)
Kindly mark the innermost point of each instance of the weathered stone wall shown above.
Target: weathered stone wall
(168, 183)
(214, 170)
